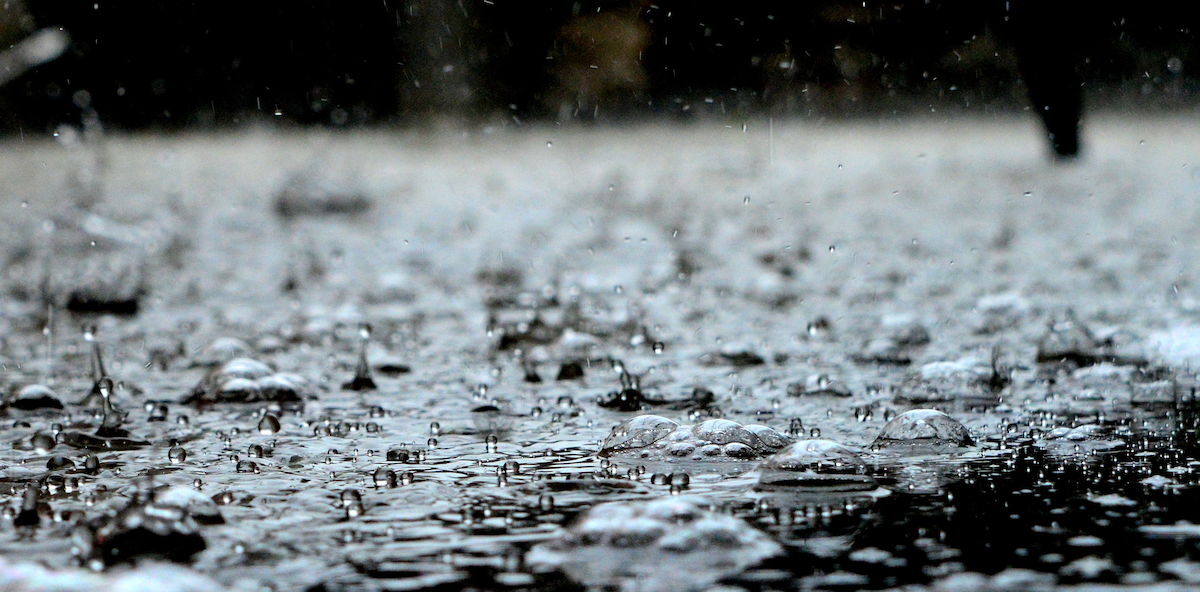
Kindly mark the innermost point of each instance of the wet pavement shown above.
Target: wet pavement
(634, 359)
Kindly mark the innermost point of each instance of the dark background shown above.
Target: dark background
(203, 65)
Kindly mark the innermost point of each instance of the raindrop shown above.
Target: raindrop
(247, 466)
(814, 433)
(546, 502)
(269, 425)
(177, 454)
(58, 463)
(385, 477)
(406, 478)
(42, 443)
(435, 428)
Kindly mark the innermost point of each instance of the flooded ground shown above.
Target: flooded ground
(196, 309)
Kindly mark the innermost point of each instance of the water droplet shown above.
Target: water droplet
(435, 428)
(42, 443)
(247, 466)
(658, 347)
(177, 454)
(814, 433)
(269, 425)
(549, 144)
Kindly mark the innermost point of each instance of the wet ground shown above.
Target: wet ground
(519, 294)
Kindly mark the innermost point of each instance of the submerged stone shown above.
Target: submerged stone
(925, 428)
(816, 464)
(668, 544)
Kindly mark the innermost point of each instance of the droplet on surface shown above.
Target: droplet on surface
(816, 464)
(268, 425)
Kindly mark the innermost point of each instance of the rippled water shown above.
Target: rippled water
(409, 363)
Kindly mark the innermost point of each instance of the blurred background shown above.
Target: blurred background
(221, 64)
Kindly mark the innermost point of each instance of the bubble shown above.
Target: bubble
(177, 454)
(923, 427)
(42, 442)
(385, 477)
(816, 464)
